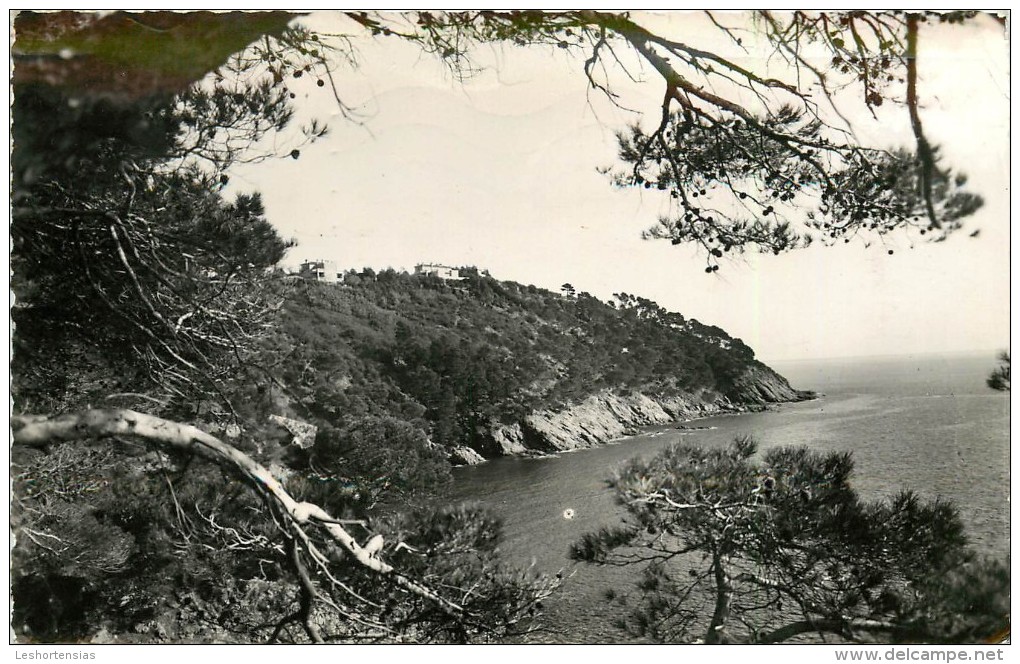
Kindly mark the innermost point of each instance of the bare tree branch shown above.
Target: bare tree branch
(924, 151)
(43, 430)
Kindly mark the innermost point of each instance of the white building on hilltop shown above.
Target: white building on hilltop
(325, 271)
(441, 271)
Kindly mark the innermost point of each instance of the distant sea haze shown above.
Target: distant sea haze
(926, 423)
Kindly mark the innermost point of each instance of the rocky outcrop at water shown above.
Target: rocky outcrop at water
(612, 414)
(761, 385)
(465, 456)
(605, 416)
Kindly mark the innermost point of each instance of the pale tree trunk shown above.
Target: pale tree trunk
(40, 430)
(723, 600)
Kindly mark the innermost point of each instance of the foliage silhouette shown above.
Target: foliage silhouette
(741, 548)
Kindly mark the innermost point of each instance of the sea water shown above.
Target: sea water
(926, 423)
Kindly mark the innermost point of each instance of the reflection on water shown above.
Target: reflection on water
(927, 424)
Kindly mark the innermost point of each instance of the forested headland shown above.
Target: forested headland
(468, 361)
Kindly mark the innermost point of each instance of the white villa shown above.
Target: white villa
(321, 270)
(441, 271)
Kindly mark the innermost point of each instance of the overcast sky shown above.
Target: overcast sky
(500, 172)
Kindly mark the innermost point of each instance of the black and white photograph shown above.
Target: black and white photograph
(510, 327)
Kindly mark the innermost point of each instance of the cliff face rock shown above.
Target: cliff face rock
(761, 385)
(465, 456)
(607, 415)
(602, 417)
(502, 440)
(599, 418)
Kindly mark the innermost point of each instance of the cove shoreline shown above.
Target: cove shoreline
(654, 428)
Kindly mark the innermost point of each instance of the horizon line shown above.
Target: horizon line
(877, 356)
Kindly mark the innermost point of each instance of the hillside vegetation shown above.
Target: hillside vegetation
(462, 360)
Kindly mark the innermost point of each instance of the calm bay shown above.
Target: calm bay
(927, 423)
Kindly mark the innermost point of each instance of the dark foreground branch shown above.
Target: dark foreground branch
(843, 628)
(924, 150)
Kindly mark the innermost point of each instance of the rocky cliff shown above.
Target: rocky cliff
(761, 385)
(611, 414)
